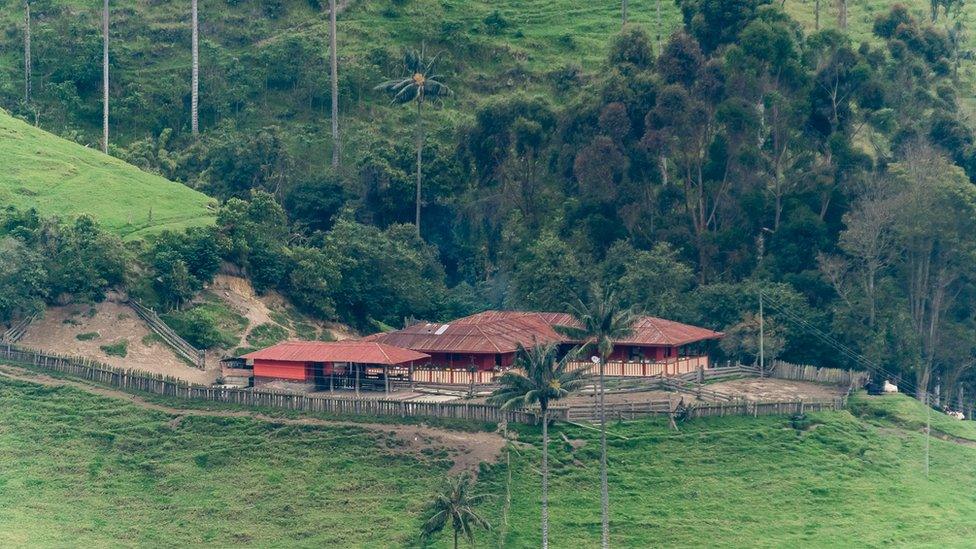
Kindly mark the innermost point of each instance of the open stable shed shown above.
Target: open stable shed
(334, 365)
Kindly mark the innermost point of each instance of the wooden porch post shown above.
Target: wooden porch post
(411, 375)
(356, 366)
(386, 378)
(332, 378)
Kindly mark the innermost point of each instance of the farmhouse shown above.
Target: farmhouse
(488, 341)
(471, 350)
(333, 365)
(653, 340)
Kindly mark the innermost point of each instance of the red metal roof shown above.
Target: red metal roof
(648, 330)
(501, 335)
(362, 352)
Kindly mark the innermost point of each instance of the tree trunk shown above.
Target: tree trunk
(455, 531)
(604, 488)
(659, 28)
(420, 160)
(335, 83)
(623, 13)
(842, 14)
(545, 477)
(195, 83)
(105, 77)
(27, 52)
(816, 15)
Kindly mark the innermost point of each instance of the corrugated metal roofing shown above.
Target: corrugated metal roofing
(648, 330)
(502, 335)
(361, 352)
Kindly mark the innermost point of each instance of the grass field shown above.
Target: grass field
(87, 470)
(61, 178)
(81, 470)
(744, 482)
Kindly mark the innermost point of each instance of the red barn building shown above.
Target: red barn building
(330, 365)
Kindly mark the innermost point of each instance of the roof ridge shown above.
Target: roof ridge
(382, 349)
(652, 320)
(480, 328)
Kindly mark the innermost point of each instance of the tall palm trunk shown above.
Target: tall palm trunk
(659, 28)
(27, 52)
(455, 531)
(420, 159)
(105, 77)
(195, 81)
(335, 83)
(623, 12)
(545, 477)
(604, 487)
(842, 14)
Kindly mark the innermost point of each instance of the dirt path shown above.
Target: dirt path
(466, 449)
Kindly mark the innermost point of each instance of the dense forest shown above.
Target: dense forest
(740, 154)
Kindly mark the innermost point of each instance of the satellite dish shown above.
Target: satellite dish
(595, 359)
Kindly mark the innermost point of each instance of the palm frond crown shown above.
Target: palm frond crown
(540, 377)
(455, 505)
(602, 320)
(420, 81)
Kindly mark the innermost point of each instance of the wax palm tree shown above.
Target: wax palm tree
(195, 69)
(419, 84)
(602, 320)
(105, 76)
(334, 82)
(455, 504)
(27, 53)
(540, 377)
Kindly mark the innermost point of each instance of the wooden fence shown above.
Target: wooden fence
(432, 376)
(181, 346)
(668, 367)
(764, 408)
(800, 372)
(638, 410)
(17, 330)
(163, 385)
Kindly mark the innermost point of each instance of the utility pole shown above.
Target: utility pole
(195, 84)
(105, 77)
(928, 430)
(335, 84)
(27, 52)
(762, 336)
(659, 30)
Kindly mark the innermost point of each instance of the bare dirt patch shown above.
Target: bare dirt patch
(777, 389)
(107, 323)
(466, 449)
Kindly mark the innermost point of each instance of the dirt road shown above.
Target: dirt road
(466, 449)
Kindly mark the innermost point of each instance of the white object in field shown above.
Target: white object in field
(957, 415)
(595, 359)
(890, 387)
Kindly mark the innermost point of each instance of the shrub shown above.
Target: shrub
(119, 348)
(87, 336)
(208, 325)
(266, 335)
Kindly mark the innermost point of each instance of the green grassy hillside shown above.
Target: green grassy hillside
(58, 177)
(87, 469)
